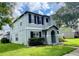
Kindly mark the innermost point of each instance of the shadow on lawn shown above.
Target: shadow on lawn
(9, 47)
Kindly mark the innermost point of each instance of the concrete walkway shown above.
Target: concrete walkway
(73, 53)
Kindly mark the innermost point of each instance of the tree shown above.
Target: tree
(5, 13)
(68, 14)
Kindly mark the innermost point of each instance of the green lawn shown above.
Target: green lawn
(20, 50)
(72, 42)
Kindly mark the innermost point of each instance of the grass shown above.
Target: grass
(20, 50)
(9, 47)
(72, 42)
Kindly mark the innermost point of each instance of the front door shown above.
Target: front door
(53, 37)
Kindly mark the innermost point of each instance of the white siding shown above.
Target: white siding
(24, 30)
(20, 30)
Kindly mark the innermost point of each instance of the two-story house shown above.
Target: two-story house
(30, 25)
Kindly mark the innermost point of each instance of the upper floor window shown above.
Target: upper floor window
(42, 20)
(38, 20)
(20, 23)
(29, 17)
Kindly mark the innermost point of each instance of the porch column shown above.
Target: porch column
(48, 37)
(57, 38)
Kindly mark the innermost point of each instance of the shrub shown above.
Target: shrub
(36, 41)
(62, 40)
(5, 40)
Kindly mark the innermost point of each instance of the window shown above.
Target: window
(42, 20)
(20, 23)
(29, 17)
(39, 20)
(58, 32)
(47, 19)
(16, 38)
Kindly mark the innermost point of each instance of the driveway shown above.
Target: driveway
(73, 53)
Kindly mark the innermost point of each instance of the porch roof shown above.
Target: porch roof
(51, 27)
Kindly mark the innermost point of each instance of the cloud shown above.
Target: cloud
(45, 6)
(33, 6)
(39, 7)
(30, 6)
(51, 12)
(16, 9)
(40, 12)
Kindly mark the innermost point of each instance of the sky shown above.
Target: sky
(44, 8)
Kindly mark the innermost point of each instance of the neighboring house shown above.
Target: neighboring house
(4, 34)
(30, 25)
(1, 34)
(7, 35)
(66, 32)
(76, 34)
(77, 29)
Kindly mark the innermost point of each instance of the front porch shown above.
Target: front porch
(51, 35)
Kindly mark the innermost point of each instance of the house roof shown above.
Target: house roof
(54, 27)
(28, 12)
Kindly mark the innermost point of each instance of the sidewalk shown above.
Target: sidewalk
(73, 53)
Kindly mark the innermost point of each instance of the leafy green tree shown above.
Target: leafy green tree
(5, 13)
(68, 14)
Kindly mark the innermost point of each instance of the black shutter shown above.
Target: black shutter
(46, 19)
(38, 19)
(35, 19)
(39, 34)
(31, 34)
(29, 15)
